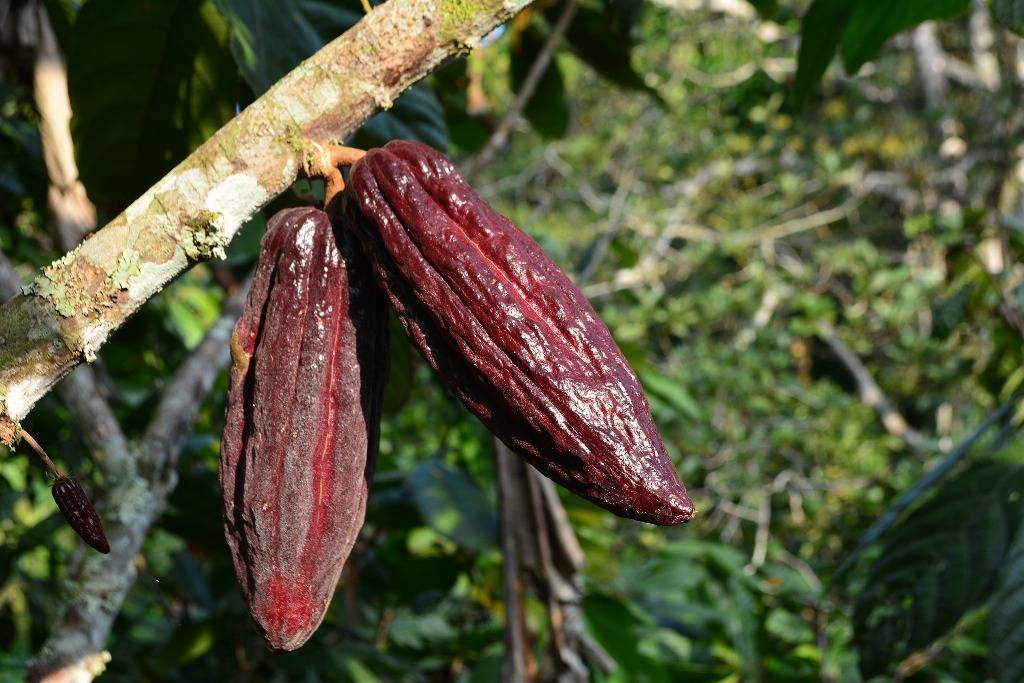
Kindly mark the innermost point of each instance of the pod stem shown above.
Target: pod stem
(325, 160)
(51, 469)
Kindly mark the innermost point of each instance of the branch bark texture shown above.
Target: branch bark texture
(142, 477)
(190, 215)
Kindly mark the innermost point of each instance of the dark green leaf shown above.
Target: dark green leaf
(607, 48)
(819, 37)
(873, 22)
(416, 115)
(1010, 13)
(765, 8)
(468, 131)
(938, 563)
(1006, 618)
(270, 38)
(400, 370)
(454, 505)
(615, 623)
(148, 81)
(547, 109)
(188, 576)
(188, 643)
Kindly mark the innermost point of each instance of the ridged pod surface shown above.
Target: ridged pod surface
(309, 356)
(79, 512)
(510, 334)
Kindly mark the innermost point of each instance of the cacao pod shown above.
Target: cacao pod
(509, 333)
(309, 362)
(78, 510)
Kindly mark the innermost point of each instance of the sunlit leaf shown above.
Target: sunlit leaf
(454, 505)
(873, 22)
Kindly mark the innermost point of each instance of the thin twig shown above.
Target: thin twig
(872, 394)
(51, 469)
(501, 134)
(513, 669)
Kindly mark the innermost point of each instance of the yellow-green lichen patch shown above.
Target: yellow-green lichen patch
(200, 238)
(293, 138)
(78, 290)
(227, 141)
(456, 16)
(54, 292)
(128, 264)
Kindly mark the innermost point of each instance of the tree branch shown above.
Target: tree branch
(872, 394)
(542, 552)
(141, 485)
(194, 212)
(73, 213)
(537, 70)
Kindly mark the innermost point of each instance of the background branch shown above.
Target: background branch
(541, 552)
(73, 213)
(74, 649)
(872, 394)
(501, 134)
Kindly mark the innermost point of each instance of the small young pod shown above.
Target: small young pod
(79, 512)
(509, 333)
(309, 360)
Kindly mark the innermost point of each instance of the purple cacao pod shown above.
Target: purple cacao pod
(509, 333)
(79, 512)
(309, 361)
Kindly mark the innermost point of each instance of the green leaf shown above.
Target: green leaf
(820, 32)
(1006, 618)
(616, 624)
(937, 564)
(547, 109)
(401, 366)
(673, 392)
(188, 642)
(1010, 13)
(454, 505)
(149, 81)
(270, 38)
(416, 115)
(606, 46)
(873, 22)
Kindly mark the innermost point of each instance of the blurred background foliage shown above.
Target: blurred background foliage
(814, 265)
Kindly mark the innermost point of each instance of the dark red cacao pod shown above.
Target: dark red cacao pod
(309, 362)
(78, 510)
(510, 334)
